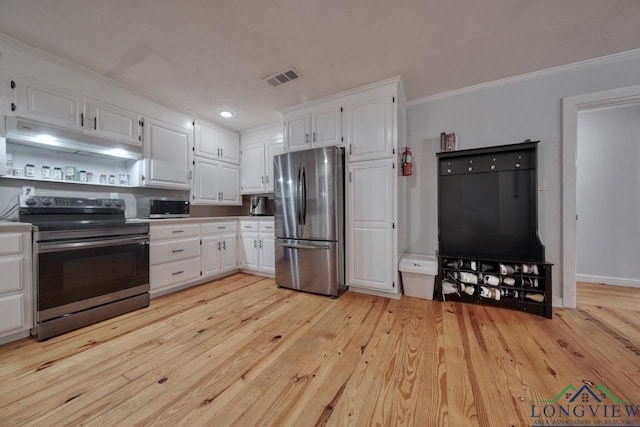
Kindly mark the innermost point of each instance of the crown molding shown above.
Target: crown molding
(381, 83)
(528, 76)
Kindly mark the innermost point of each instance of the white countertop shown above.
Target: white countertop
(200, 219)
(10, 226)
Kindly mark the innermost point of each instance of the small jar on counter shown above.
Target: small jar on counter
(29, 170)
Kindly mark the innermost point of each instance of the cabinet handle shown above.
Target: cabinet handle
(315, 136)
(175, 251)
(177, 272)
(262, 179)
(218, 245)
(13, 106)
(224, 245)
(260, 244)
(222, 195)
(222, 228)
(177, 231)
(255, 244)
(221, 152)
(95, 123)
(81, 119)
(350, 150)
(218, 155)
(267, 178)
(306, 138)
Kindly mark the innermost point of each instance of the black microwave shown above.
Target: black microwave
(162, 207)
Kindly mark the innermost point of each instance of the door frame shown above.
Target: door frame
(571, 106)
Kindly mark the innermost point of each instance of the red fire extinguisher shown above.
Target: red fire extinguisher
(406, 162)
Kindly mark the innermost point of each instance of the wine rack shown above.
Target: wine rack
(519, 285)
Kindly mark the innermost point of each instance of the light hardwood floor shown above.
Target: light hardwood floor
(239, 351)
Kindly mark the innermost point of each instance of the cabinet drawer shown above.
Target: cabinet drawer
(249, 225)
(266, 226)
(10, 243)
(173, 250)
(170, 273)
(219, 227)
(160, 232)
(11, 274)
(11, 313)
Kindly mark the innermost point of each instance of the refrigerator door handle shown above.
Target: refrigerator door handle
(301, 246)
(303, 214)
(298, 198)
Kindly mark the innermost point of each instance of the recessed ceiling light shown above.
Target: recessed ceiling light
(226, 114)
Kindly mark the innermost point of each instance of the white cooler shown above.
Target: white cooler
(418, 275)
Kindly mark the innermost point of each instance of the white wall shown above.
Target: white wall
(502, 113)
(608, 196)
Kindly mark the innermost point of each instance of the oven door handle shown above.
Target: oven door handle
(59, 247)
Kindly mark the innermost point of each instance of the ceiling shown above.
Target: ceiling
(207, 55)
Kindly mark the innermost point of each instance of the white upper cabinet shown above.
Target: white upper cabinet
(166, 156)
(48, 104)
(113, 122)
(272, 149)
(370, 127)
(45, 103)
(216, 183)
(297, 129)
(216, 143)
(252, 167)
(229, 146)
(312, 127)
(257, 166)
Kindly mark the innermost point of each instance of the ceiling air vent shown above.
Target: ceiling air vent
(282, 77)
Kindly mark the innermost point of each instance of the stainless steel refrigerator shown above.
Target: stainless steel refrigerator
(309, 220)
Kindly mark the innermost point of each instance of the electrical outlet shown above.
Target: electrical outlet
(114, 195)
(28, 190)
(541, 185)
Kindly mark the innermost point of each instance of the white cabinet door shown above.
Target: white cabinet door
(206, 140)
(369, 225)
(253, 176)
(272, 149)
(370, 128)
(326, 127)
(297, 133)
(113, 122)
(44, 103)
(267, 253)
(249, 251)
(166, 150)
(12, 316)
(206, 182)
(211, 256)
(229, 146)
(230, 253)
(216, 143)
(229, 184)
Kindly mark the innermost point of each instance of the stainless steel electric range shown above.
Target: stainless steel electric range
(90, 263)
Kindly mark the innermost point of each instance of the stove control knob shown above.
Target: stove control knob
(31, 201)
(46, 202)
(118, 203)
(107, 202)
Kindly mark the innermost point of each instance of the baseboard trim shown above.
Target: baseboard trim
(614, 281)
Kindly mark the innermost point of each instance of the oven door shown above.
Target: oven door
(75, 275)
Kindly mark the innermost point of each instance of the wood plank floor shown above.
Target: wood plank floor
(239, 351)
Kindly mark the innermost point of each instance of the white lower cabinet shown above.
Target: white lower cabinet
(174, 256)
(219, 248)
(16, 296)
(257, 246)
